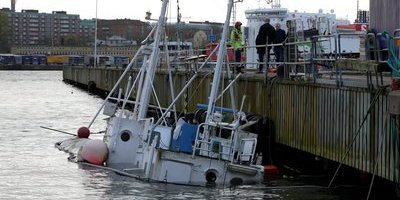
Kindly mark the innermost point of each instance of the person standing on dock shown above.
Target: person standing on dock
(266, 35)
(279, 39)
(236, 41)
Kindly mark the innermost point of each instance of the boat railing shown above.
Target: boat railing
(231, 148)
(213, 146)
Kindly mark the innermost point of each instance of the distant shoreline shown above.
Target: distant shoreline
(31, 67)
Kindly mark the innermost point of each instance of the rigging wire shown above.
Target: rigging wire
(170, 78)
(198, 86)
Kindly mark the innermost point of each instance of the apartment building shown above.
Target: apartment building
(29, 27)
(43, 32)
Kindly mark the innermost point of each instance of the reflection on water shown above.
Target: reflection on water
(32, 168)
(111, 184)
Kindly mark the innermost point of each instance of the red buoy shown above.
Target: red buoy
(83, 132)
(395, 84)
(271, 172)
(363, 175)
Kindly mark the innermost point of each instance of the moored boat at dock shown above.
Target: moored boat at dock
(216, 151)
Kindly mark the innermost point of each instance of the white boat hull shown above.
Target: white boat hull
(181, 168)
(148, 157)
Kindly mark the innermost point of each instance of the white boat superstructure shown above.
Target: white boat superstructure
(216, 152)
(324, 24)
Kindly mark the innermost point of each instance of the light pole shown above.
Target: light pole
(95, 40)
(234, 11)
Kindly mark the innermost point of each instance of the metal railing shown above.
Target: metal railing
(309, 59)
(203, 144)
(229, 148)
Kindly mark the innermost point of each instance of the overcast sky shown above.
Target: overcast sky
(191, 10)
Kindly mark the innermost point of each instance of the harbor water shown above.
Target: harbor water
(32, 168)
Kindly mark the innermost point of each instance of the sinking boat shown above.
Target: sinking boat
(216, 151)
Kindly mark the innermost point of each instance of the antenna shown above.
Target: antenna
(178, 26)
(358, 9)
(234, 10)
(95, 40)
(274, 3)
(358, 5)
(13, 2)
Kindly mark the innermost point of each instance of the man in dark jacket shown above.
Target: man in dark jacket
(265, 34)
(280, 38)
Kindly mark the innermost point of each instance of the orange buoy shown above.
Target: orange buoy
(94, 152)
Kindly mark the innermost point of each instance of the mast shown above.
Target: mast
(218, 66)
(95, 40)
(151, 68)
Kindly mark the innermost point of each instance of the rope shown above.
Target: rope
(51, 129)
(393, 61)
(185, 95)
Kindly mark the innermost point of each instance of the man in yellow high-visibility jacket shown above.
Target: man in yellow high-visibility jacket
(236, 41)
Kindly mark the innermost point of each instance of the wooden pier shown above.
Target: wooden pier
(343, 121)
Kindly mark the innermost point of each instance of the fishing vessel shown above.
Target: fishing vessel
(217, 151)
